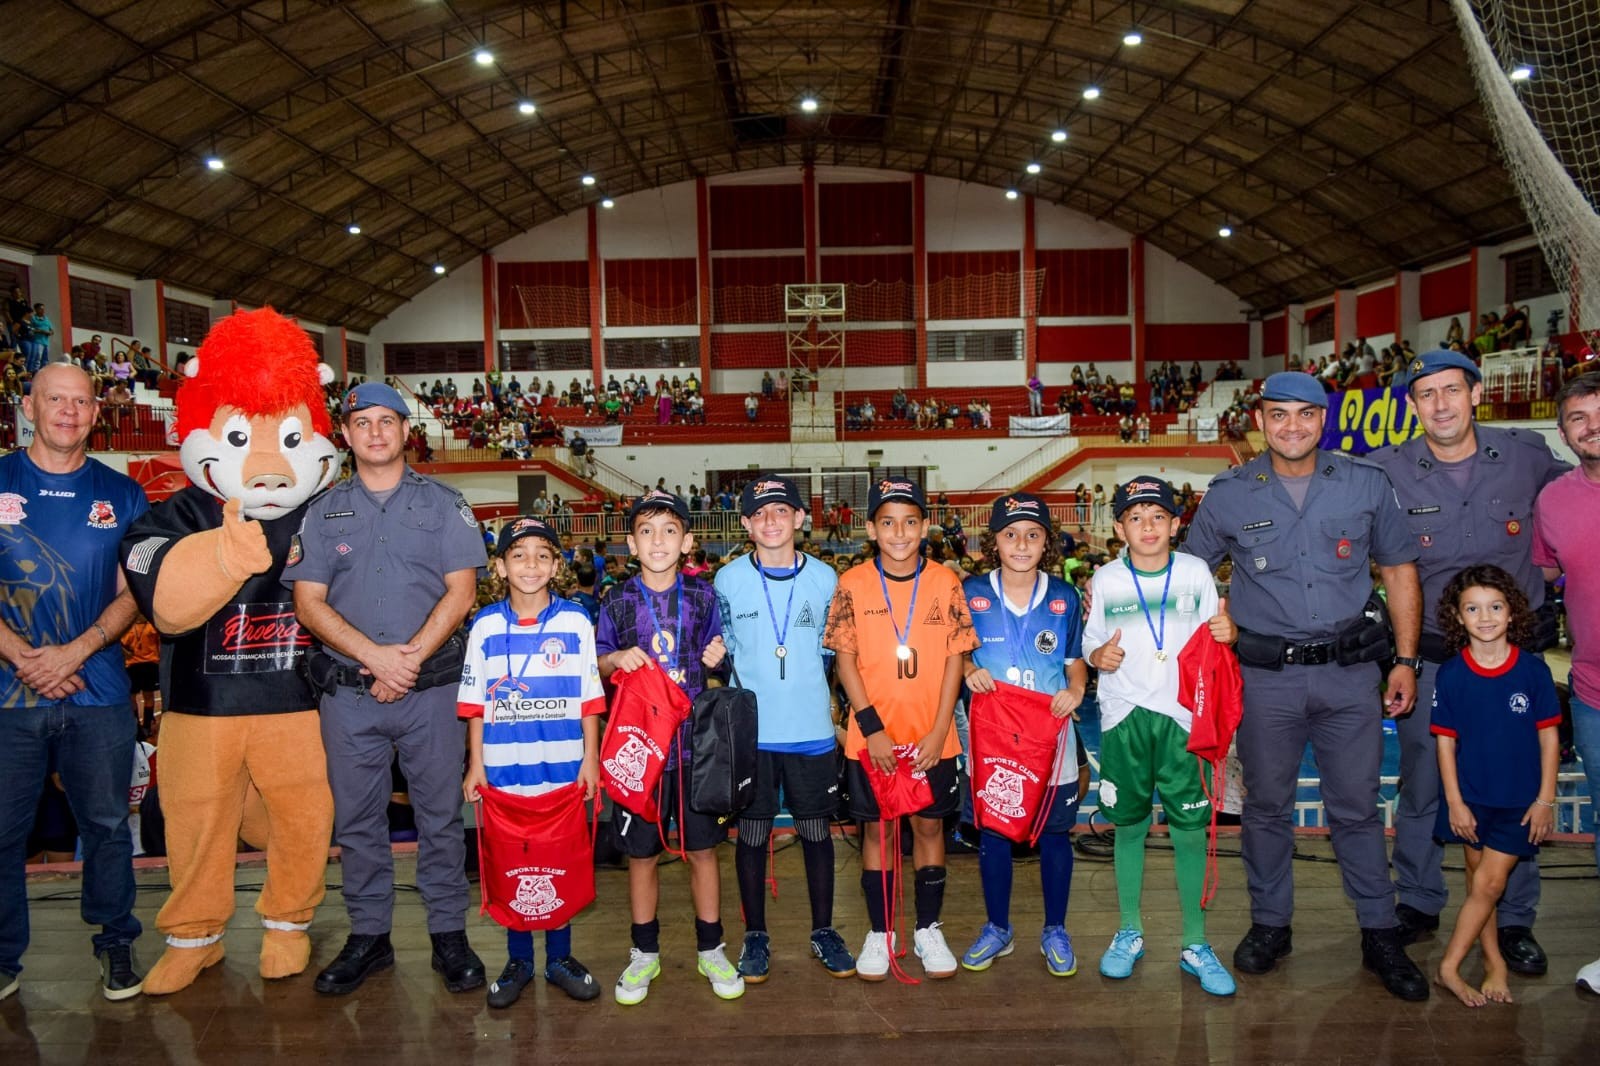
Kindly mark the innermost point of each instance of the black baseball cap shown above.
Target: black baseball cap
(658, 500)
(1018, 507)
(769, 488)
(895, 490)
(521, 528)
(1143, 489)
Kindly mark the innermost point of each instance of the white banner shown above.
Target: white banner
(1040, 425)
(24, 428)
(1205, 430)
(597, 436)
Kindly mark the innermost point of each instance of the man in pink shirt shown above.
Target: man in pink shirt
(1564, 520)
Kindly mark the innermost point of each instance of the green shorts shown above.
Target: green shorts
(1147, 753)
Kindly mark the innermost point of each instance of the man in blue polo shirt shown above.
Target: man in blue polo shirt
(64, 692)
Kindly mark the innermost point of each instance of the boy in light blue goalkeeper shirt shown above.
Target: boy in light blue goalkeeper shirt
(774, 605)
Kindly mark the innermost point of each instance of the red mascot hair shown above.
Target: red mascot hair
(258, 362)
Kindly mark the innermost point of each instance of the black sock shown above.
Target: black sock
(749, 865)
(872, 886)
(647, 936)
(930, 894)
(707, 935)
(819, 880)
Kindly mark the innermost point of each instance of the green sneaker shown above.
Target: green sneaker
(724, 977)
(634, 984)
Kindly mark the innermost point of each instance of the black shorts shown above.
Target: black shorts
(810, 785)
(146, 677)
(941, 779)
(640, 838)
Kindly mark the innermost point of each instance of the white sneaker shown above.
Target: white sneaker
(937, 959)
(872, 961)
(1589, 977)
(723, 975)
(634, 984)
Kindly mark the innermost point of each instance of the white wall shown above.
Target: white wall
(1197, 472)
(1177, 292)
(559, 239)
(1060, 227)
(658, 224)
(451, 309)
(972, 218)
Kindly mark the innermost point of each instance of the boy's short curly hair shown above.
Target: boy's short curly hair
(1520, 629)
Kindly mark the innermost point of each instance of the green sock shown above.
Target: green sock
(1189, 860)
(1128, 854)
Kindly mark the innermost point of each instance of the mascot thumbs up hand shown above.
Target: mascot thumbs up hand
(243, 549)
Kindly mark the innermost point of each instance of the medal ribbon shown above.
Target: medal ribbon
(781, 636)
(1161, 637)
(911, 611)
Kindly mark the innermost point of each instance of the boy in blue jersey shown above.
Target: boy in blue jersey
(531, 695)
(774, 605)
(1030, 626)
(660, 614)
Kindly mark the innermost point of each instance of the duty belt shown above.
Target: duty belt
(1309, 652)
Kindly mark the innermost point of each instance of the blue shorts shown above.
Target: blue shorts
(1499, 828)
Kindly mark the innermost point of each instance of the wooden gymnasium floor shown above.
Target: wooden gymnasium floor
(1319, 1007)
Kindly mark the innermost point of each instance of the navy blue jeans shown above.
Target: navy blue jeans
(92, 749)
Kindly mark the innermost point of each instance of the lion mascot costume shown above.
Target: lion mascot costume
(254, 438)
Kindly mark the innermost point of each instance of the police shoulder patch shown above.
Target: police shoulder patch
(465, 510)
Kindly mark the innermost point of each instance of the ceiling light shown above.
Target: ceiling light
(1132, 38)
(1033, 168)
(438, 268)
(587, 179)
(213, 163)
(483, 56)
(526, 107)
(1522, 73)
(608, 203)
(1059, 136)
(809, 104)
(1225, 231)
(353, 229)
(1011, 194)
(1091, 93)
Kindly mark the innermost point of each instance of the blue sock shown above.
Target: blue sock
(1055, 875)
(994, 865)
(519, 944)
(557, 943)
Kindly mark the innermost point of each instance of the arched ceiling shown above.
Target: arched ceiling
(1338, 138)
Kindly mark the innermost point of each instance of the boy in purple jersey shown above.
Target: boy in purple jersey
(662, 615)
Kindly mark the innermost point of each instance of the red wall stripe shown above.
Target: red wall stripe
(543, 295)
(919, 271)
(974, 285)
(597, 347)
(490, 291)
(1080, 282)
(702, 211)
(743, 351)
(751, 290)
(864, 214)
(1081, 344)
(1445, 292)
(1205, 341)
(878, 288)
(1141, 329)
(1275, 336)
(747, 217)
(1375, 312)
(650, 292)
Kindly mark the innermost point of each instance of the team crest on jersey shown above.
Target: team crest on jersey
(11, 511)
(1058, 606)
(554, 652)
(1003, 792)
(102, 515)
(807, 618)
(1046, 642)
(344, 549)
(536, 895)
(1519, 703)
(628, 764)
(935, 616)
(980, 603)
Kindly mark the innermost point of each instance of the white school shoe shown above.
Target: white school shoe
(872, 961)
(937, 958)
(1589, 977)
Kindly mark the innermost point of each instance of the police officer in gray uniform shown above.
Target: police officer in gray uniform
(1467, 492)
(384, 571)
(1300, 525)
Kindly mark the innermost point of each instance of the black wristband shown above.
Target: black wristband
(868, 721)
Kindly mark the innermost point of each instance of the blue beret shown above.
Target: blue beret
(1437, 360)
(1294, 386)
(375, 394)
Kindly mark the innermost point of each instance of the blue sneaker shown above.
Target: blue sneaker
(1200, 960)
(755, 958)
(1056, 947)
(1127, 948)
(992, 943)
(828, 946)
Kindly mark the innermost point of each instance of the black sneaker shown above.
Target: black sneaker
(455, 960)
(1522, 953)
(1382, 953)
(362, 955)
(755, 957)
(572, 977)
(119, 972)
(828, 946)
(509, 985)
(1262, 947)
(1413, 924)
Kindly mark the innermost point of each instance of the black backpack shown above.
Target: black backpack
(722, 771)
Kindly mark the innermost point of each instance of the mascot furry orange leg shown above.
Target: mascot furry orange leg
(205, 566)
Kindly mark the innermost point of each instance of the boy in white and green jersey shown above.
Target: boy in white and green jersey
(1144, 608)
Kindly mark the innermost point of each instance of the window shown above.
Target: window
(438, 357)
(355, 358)
(101, 307)
(633, 353)
(543, 356)
(317, 341)
(13, 274)
(1528, 275)
(186, 323)
(974, 345)
(1319, 325)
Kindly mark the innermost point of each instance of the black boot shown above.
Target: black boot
(455, 960)
(1382, 953)
(1412, 923)
(361, 955)
(1522, 953)
(1262, 947)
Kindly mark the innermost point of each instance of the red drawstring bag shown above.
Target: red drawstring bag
(1210, 686)
(906, 791)
(535, 857)
(1016, 743)
(645, 716)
